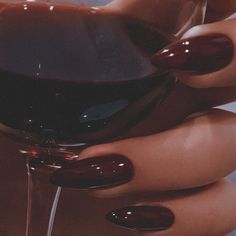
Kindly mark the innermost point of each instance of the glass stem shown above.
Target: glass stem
(43, 199)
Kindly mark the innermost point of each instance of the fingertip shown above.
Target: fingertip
(198, 55)
(213, 69)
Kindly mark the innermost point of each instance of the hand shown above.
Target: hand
(191, 158)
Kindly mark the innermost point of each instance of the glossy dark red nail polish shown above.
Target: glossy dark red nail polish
(142, 218)
(95, 172)
(202, 54)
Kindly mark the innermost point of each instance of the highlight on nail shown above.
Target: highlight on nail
(143, 218)
(96, 172)
(200, 54)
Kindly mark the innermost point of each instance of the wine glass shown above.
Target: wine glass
(78, 73)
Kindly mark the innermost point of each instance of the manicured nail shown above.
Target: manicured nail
(142, 218)
(97, 172)
(202, 54)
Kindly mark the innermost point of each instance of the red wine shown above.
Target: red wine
(75, 74)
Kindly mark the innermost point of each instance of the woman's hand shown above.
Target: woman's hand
(198, 152)
(177, 173)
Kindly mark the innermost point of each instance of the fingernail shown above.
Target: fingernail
(202, 54)
(142, 218)
(95, 172)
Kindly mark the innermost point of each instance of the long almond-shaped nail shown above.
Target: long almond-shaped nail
(142, 218)
(95, 172)
(201, 54)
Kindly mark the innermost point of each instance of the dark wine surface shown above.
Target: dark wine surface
(75, 74)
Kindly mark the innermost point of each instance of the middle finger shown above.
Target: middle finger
(198, 152)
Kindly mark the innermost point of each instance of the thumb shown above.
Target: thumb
(205, 57)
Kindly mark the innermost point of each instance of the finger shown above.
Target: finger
(210, 211)
(205, 57)
(200, 151)
(157, 11)
(180, 103)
